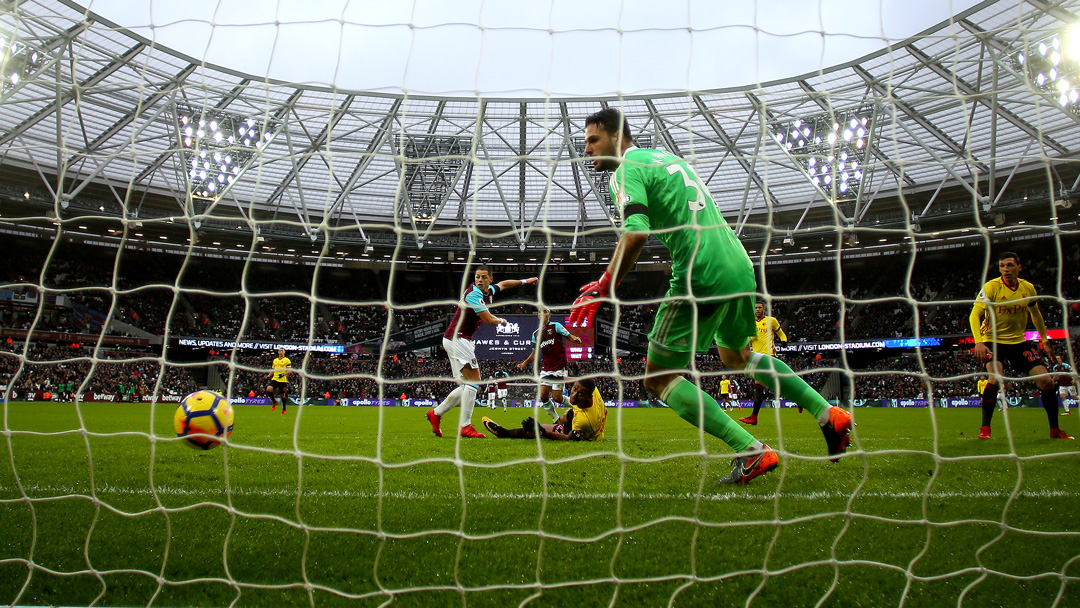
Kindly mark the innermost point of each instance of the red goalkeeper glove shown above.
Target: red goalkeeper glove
(585, 306)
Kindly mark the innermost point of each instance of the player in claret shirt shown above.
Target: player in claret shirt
(469, 314)
(998, 320)
(1066, 385)
(549, 339)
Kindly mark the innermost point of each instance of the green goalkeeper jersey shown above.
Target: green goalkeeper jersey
(658, 192)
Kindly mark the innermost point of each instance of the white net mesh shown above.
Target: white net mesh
(170, 220)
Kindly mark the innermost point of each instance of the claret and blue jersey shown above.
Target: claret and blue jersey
(476, 302)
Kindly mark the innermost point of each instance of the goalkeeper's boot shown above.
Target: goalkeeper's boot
(434, 419)
(494, 428)
(984, 432)
(751, 420)
(1059, 434)
(469, 431)
(837, 432)
(746, 467)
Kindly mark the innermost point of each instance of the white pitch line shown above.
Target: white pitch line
(54, 491)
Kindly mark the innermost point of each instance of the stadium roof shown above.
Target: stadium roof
(948, 107)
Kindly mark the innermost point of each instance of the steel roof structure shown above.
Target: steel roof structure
(951, 107)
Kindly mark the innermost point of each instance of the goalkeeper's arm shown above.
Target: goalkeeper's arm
(626, 255)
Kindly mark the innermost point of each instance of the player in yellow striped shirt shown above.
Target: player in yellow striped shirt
(584, 421)
(768, 329)
(279, 381)
(998, 321)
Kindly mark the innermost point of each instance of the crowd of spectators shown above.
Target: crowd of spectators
(882, 297)
(45, 367)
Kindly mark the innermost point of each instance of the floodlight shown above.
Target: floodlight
(1054, 66)
(20, 63)
(210, 134)
(1072, 42)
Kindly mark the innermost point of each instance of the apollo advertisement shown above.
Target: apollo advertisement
(366, 402)
(610, 403)
(250, 400)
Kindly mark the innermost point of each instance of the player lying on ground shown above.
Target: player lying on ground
(584, 421)
(460, 348)
(711, 294)
(278, 389)
(549, 343)
(998, 321)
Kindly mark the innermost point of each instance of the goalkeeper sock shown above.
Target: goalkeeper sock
(989, 402)
(447, 404)
(1050, 404)
(468, 401)
(549, 407)
(776, 374)
(699, 409)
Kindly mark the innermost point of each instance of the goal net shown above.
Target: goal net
(188, 190)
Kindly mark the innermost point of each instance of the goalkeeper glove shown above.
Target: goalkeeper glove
(585, 306)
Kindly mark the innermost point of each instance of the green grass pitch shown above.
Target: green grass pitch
(365, 507)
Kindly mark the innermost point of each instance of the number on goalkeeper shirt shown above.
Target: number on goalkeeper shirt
(691, 180)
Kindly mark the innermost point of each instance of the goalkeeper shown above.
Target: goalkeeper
(584, 421)
(711, 294)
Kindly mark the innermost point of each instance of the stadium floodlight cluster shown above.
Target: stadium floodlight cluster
(218, 146)
(830, 149)
(19, 62)
(1053, 66)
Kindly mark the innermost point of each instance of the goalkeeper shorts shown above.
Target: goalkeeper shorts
(683, 326)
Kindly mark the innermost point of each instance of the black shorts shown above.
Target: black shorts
(280, 386)
(1021, 358)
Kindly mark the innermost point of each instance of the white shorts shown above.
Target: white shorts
(555, 379)
(502, 393)
(462, 352)
(1067, 391)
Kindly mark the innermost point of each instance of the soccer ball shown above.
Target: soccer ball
(201, 414)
